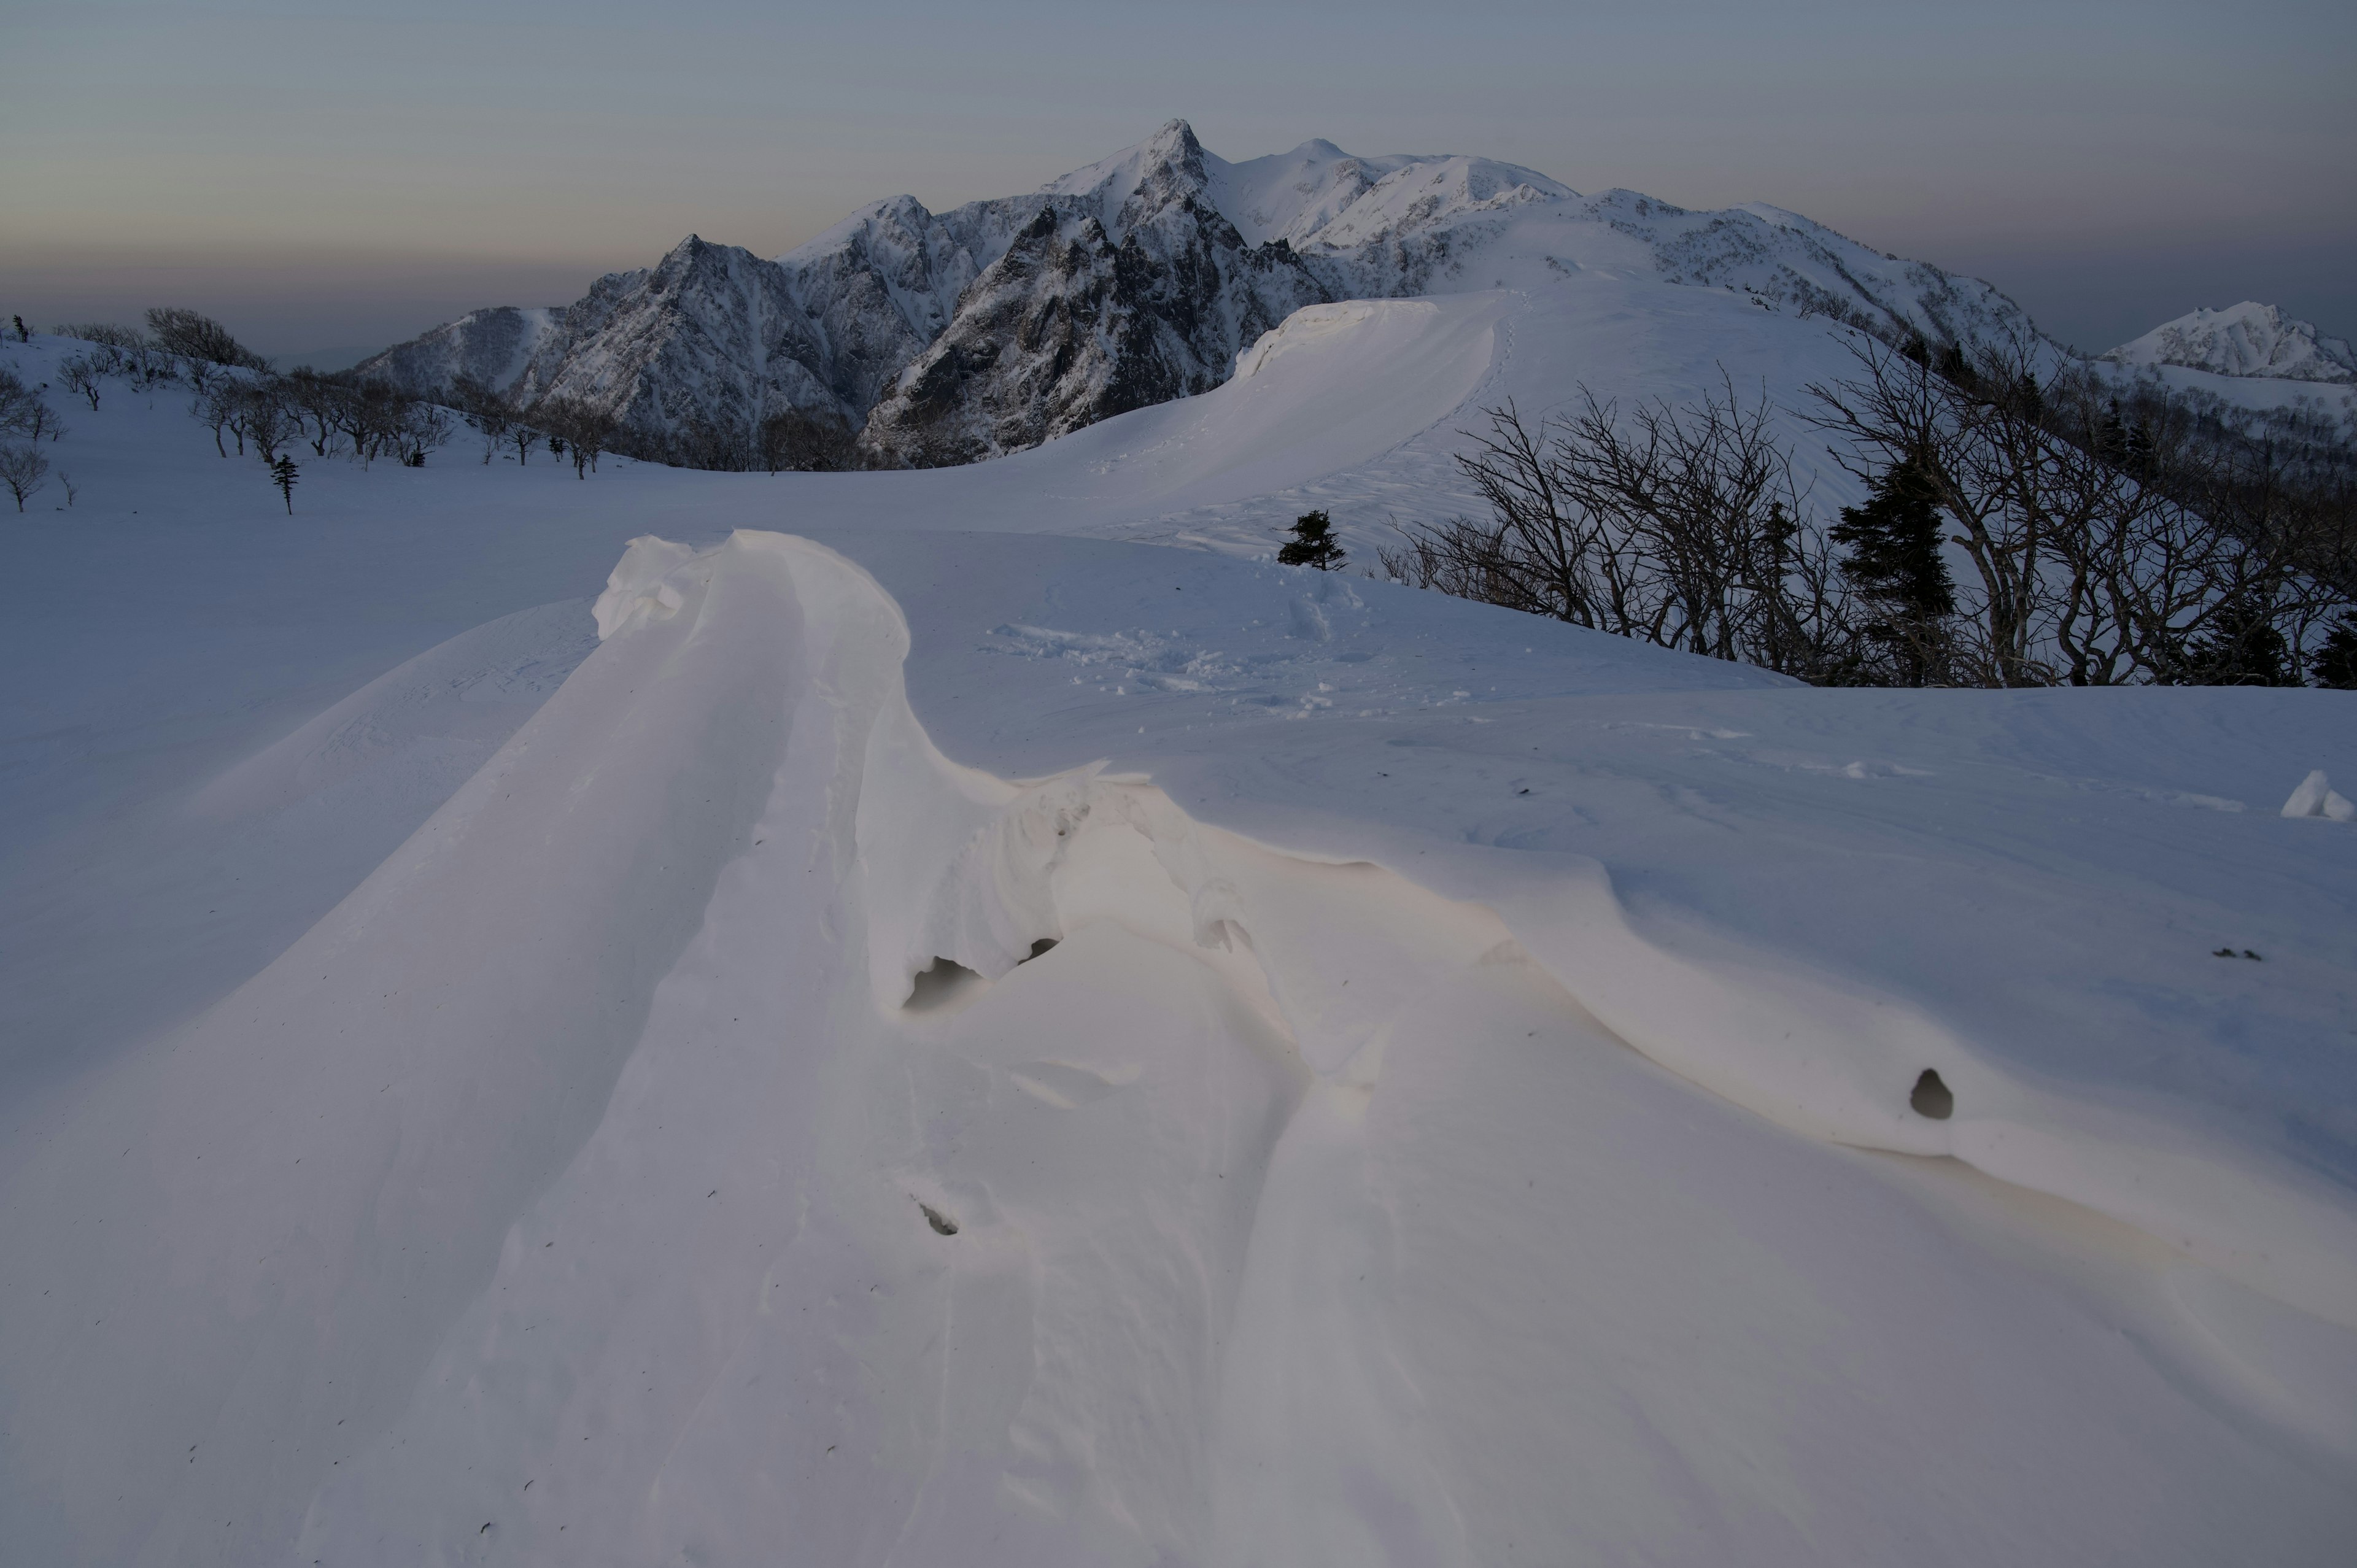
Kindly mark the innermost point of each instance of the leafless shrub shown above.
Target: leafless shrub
(1683, 527)
(423, 427)
(22, 470)
(196, 337)
(269, 420)
(82, 376)
(482, 407)
(23, 412)
(103, 332)
(220, 404)
(2085, 568)
(317, 402)
(585, 429)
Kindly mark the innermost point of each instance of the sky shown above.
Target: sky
(335, 176)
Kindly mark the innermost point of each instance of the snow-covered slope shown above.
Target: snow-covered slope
(2246, 340)
(508, 1109)
(1130, 282)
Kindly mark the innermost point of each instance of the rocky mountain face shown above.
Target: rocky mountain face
(2246, 340)
(1131, 290)
(954, 337)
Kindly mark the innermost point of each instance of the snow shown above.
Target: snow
(2316, 796)
(471, 1097)
(2249, 339)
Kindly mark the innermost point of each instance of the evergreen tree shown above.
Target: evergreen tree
(1892, 559)
(281, 474)
(2336, 662)
(2243, 648)
(1312, 544)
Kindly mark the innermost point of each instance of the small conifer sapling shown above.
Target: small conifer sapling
(283, 474)
(1312, 544)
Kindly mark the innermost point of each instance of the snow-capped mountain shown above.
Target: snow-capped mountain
(969, 333)
(2245, 340)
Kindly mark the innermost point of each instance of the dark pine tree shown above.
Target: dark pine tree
(2244, 647)
(1312, 543)
(281, 474)
(2336, 662)
(1892, 559)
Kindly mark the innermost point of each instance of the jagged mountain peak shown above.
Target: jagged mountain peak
(1172, 147)
(1138, 183)
(2245, 340)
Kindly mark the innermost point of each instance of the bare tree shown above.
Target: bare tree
(374, 414)
(222, 406)
(484, 409)
(22, 469)
(585, 429)
(270, 422)
(104, 332)
(80, 376)
(423, 429)
(524, 438)
(22, 411)
(317, 403)
(802, 441)
(2083, 569)
(1680, 526)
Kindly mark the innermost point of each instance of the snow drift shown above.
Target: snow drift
(731, 1130)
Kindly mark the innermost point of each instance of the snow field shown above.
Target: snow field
(1310, 1202)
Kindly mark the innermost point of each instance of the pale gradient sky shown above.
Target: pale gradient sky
(341, 173)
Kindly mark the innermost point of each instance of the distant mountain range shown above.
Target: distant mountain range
(950, 337)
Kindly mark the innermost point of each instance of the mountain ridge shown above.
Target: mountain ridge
(945, 338)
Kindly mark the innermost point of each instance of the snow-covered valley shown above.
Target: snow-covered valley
(897, 1018)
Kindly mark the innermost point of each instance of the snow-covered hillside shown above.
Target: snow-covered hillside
(532, 1043)
(1135, 280)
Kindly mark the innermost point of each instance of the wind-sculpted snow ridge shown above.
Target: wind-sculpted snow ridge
(1132, 282)
(2249, 339)
(732, 1130)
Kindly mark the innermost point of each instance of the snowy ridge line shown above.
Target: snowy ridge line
(963, 866)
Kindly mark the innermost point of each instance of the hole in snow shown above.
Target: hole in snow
(1037, 948)
(1931, 1098)
(941, 1223)
(939, 985)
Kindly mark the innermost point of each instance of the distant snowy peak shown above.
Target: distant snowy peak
(2245, 340)
(1320, 195)
(493, 346)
